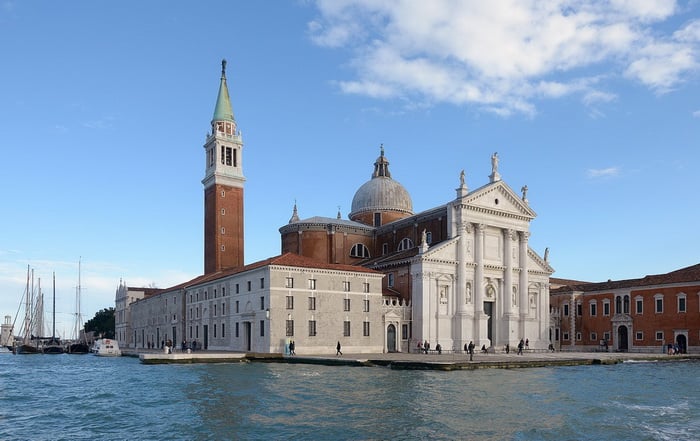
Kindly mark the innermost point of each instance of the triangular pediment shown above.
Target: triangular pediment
(498, 197)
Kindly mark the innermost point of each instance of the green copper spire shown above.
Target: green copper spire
(223, 110)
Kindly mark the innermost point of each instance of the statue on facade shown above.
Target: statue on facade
(461, 178)
(494, 163)
(524, 190)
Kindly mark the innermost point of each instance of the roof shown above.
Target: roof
(684, 275)
(286, 259)
(223, 110)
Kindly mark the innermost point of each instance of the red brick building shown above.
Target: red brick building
(636, 315)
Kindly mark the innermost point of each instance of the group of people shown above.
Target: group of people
(674, 349)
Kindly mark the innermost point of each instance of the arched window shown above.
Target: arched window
(405, 244)
(359, 250)
(627, 304)
(618, 305)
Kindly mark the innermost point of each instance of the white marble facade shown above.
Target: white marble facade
(484, 284)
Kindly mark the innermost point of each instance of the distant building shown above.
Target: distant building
(123, 325)
(636, 315)
(380, 281)
(7, 337)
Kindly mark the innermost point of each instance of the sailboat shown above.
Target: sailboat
(53, 345)
(79, 344)
(27, 345)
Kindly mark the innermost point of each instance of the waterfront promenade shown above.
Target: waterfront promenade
(414, 361)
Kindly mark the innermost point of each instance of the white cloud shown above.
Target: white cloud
(696, 114)
(503, 56)
(603, 172)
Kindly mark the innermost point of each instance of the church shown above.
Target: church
(382, 280)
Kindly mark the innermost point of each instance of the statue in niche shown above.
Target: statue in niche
(515, 296)
(494, 163)
(490, 292)
(469, 293)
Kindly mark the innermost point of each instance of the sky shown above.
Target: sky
(104, 109)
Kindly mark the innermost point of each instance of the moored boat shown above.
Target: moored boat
(106, 347)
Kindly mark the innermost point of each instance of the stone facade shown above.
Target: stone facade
(636, 315)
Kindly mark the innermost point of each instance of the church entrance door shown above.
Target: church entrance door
(391, 338)
(488, 310)
(247, 335)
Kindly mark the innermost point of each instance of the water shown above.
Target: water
(69, 397)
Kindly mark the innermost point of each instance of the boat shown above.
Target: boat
(28, 343)
(106, 347)
(53, 345)
(79, 344)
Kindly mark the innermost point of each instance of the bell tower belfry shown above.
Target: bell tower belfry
(223, 187)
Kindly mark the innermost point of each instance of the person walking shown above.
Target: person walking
(520, 347)
(337, 350)
(291, 348)
(471, 350)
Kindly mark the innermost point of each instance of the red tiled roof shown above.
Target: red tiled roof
(683, 275)
(286, 259)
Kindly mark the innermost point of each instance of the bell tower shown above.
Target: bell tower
(223, 187)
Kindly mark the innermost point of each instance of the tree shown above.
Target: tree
(102, 324)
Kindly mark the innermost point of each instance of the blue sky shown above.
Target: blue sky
(595, 106)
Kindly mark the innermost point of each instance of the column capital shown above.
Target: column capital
(480, 228)
(524, 235)
(509, 233)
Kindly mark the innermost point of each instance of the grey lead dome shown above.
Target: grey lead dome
(381, 193)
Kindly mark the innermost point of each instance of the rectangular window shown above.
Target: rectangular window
(566, 310)
(262, 283)
(404, 332)
(289, 282)
(578, 336)
(606, 336)
(223, 292)
(346, 304)
(365, 305)
(681, 304)
(290, 328)
(346, 286)
(659, 305)
(238, 290)
(312, 283)
(223, 308)
(365, 329)
(565, 336)
(640, 306)
(223, 153)
(250, 285)
(262, 328)
(390, 280)
(214, 310)
(290, 302)
(377, 219)
(593, 310)
(385, 249)
(237, 311)
(365, 287)
(312, 328)
(214, 330)
(579, 309)
(659, 335)
(229, 156)
(223, 330)
(346, 328)
(312, 303)
(639, 335)
(236, 329)
(606, 308)
(594, 336)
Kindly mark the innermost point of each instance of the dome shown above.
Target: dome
(381, 193)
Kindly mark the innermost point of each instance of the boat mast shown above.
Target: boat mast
(53, 331)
